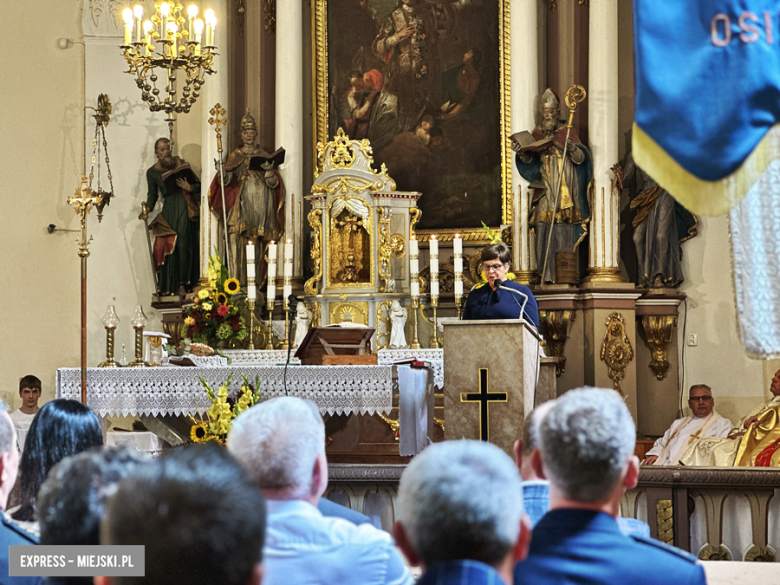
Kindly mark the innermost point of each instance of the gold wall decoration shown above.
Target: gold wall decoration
(269, 8)
(385, 251)
(416, 214)
(616, 350)
(310, 287)
(330, 26)
(397, 246)
(664, 521)
(316, 314)
(554, 327)
(383, 318)
(356, 312)
(659, 329)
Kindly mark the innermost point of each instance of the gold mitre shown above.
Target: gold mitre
(248, 122)
(550, 100)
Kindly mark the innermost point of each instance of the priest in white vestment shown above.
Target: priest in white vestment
(684, 432)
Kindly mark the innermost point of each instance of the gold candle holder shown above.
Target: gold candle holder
(459, 306)
(435, 339)
(269, 344)
(415, 306)
(286, 342)
(138, 322)
(110, 321)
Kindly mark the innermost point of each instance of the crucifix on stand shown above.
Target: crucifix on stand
(350, 224)
(484, 397)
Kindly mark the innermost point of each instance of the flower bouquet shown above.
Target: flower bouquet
(224, 409)
(215, 317)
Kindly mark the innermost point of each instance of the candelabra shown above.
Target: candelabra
(138, 322)
(110, 321)
(166, 43)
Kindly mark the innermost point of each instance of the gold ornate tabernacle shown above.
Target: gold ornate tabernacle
(360, 229)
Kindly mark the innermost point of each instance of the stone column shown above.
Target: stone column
(215, 91)
(524, 62)
(290, 122)
(603, 132)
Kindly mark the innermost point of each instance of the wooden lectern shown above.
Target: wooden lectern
(490, 375)
(336, 346)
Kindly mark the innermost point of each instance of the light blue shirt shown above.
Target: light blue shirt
(304, 547)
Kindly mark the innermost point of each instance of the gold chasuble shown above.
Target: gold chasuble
(760, 446)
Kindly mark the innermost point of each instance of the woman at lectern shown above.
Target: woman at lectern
(500, 298)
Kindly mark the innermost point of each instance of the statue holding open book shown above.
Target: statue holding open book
(254, 199)
(540, 160)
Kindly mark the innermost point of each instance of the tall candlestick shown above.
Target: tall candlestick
(457, 244)
(272, 251)
(457, 248)
(250, 251)
(414, 268)
(271, 282)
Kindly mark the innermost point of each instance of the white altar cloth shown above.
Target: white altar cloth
(433, 356)
(178, 391)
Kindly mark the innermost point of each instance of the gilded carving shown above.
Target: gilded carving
(385, 251)
(659, 329)
(616, 350)
(664, 521)
(555, 326)
(350, 243)
(393, 424)
(310, 288)
(715, 553)
(316, 314)
(382, 324)
(269, 8)
(397, 246)
(416, 214)
(760, 554)
(355, 312)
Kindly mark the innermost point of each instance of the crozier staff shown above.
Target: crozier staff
(500, 298)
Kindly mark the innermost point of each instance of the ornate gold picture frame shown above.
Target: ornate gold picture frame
(428, 83)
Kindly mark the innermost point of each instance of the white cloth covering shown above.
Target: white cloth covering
(679, 446)
(303, 546)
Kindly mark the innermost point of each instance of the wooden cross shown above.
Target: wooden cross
(484, 398)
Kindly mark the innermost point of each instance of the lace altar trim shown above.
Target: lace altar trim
(433, 356)
(177, 390)
(260, 357)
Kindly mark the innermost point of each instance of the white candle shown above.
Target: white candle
(434, 265)
(415, 287)
(458, 265)
(434, 246)
(251, 291)
(272, 252)
(434, 288)
(414, 267)
(250, 252)
(127, 16)
(457, 244)
(271, 294)
(288, 259)
(413, 247)
(458, 288)
(287, 291)
(198, 35)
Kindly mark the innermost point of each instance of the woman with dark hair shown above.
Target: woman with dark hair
(60, 429)
(488, 301)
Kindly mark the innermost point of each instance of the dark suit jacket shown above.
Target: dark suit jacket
(461, 573)
(585, 547)
(486, 303)
(12, 534)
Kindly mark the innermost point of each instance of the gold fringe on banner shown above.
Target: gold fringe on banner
(708, 198)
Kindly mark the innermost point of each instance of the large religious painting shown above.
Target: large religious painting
(427, 83)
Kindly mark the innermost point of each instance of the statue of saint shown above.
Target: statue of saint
(540, 161)
(175, 249)
(397, 316)
(660, 226)
(254, 200)
(302, 323)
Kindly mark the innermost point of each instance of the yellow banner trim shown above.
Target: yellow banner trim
(708, 198)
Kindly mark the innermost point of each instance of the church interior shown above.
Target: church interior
(371, 225)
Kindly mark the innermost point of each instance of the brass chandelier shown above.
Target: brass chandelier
(174, 44)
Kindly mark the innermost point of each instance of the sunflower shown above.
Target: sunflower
(221, 298)
(232, 286)
(199, 433)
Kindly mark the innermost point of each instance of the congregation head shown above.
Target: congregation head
(31, 382)
(72, 499)
(281, 443)
(498, 251)
(61, 428)
(587, 441)
(459, 500)
(199, 515)
(525, 447)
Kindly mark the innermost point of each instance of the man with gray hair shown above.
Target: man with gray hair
(281, 444)
(587, 443)
(460, 514)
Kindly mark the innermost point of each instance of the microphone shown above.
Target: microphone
(500, 284)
